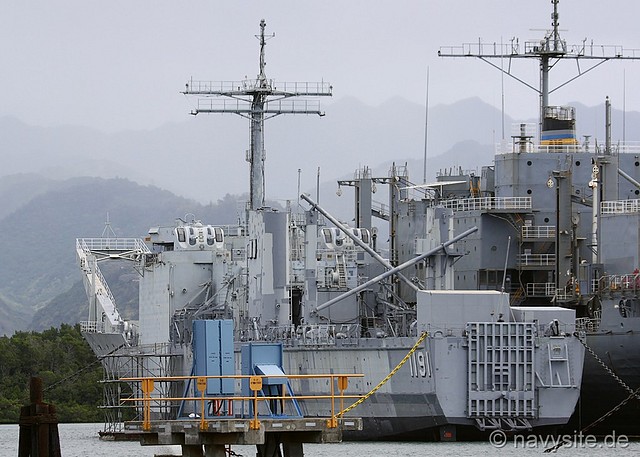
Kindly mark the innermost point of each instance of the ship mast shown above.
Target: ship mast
(257, 100)
(548, 51)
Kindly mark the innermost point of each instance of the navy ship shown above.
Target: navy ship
(574, 237)
(442, 357)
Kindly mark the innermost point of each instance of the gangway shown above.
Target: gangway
(103, 312)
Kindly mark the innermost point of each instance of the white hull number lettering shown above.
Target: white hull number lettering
(420, 365)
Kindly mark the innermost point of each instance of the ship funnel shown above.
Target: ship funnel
(558, 127)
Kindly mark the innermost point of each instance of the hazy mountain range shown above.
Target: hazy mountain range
(57, 184)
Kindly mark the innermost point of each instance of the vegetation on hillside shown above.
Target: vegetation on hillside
(69, 370)
(38, 272)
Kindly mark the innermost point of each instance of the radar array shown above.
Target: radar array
(257, 100)
(548, 51)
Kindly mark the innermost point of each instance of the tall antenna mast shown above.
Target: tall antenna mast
(548, 51)
(257, 100)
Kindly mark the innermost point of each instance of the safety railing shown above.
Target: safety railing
(236, 105)
(541, 289)
(318, 88)
(620, 207)
(91, 327)
(628, 282)
(338, 382)
(538, 231)
(536, 260)
(379, 208)
(112, 244)
(588, 324)
(488, 203)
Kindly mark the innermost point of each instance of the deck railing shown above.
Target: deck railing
(536, 260)
(488, 203)
(538, 231)
(620, 207)
(336, 382)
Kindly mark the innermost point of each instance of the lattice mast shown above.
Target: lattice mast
(257, 100)
(548, 51)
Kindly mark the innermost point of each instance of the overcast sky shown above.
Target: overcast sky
(117, 64)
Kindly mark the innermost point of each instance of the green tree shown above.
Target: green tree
(67, 366)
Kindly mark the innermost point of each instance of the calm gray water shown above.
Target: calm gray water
(79, 440)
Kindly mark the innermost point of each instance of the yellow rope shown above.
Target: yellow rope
(381, 383)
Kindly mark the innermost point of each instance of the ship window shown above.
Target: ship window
(529, 191)
(327, 235)
(577, 163)
(529, 163)
(637, 164)
(637, 191)
(219, 234)
(546, 220)
(365, 236)
(192, 236)
(181, 235)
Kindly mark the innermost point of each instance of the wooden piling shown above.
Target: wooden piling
(38, 425)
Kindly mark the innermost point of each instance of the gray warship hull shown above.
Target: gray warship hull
(323, 291)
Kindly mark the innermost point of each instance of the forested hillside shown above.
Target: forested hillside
(69, 370)
(38, 272)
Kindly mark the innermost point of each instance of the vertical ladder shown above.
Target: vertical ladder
(342, 270)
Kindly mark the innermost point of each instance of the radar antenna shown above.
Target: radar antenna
(257, 100)
(548, 51)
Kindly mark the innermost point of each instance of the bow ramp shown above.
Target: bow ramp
(105, 323)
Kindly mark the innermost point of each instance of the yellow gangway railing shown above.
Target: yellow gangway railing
(147, 385)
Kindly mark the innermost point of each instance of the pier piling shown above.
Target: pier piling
(38, 425)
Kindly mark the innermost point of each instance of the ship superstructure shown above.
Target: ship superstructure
(570, 210)
(322, 289)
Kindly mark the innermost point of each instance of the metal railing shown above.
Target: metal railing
(538, 231)
(380, 208)
(620, 207)
(313, 334)
(235, 105)
(536, 260)
(488, 203)
(234, 87)
(112, 244)
(628, 282)
(541, 289)
(589, 324)
(147, 384)
(91, 327)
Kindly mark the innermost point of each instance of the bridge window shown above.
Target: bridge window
(181, 235)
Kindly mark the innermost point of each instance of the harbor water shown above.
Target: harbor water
(80, 440)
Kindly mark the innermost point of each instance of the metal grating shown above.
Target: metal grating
(501, 370)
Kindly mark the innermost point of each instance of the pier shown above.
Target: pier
(269, 417)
